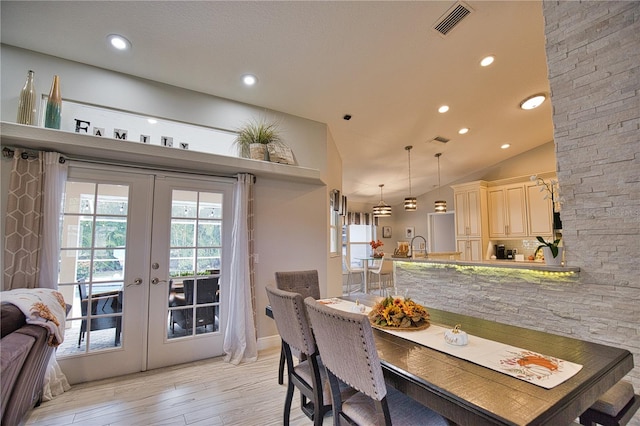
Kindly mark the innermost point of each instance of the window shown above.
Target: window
(356, 244)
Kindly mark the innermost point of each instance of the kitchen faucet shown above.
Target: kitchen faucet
(425, 245)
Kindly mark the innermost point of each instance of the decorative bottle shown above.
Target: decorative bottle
(54, 105)
(27, 106)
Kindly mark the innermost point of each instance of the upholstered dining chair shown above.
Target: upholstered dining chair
(308, 376)
(306, 284)
(345, 340)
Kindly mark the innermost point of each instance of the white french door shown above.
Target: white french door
(143, 263)
(189, 269)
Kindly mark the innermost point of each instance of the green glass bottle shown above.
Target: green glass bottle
(54, 106)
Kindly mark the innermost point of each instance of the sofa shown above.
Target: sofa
(24, 356)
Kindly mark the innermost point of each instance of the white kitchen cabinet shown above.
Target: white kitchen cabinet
(470, 249)
(507, 212)
(470, 203)
(539, 212)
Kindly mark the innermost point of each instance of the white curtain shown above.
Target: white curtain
(55, 179)
(240, 343)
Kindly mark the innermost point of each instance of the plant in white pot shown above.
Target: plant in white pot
(551, 251)
(253, 138)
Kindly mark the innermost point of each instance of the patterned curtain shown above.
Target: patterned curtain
(32, 234)
(240, 339)
(22, 226)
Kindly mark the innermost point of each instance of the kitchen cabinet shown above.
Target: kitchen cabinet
(507, 212)
(539, 212)
(470, 204)
(470, 249)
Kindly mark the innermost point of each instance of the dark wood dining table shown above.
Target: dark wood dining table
(469, 394)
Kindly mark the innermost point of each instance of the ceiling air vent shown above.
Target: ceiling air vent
(452, 18)
(441, 139)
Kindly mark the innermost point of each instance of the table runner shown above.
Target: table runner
(541, 370)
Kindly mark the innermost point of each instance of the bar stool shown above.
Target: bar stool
(615, 408)
(350, 272)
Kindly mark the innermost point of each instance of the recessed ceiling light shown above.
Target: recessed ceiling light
(486, 61)
(152, 120)
(505, 145)
(533, 101)
(443, 108)
(249, 79)
(463, 131)
(347, 117)
(119, 42)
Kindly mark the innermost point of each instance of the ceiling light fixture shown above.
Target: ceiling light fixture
(249, 79)
(443, 108)
(440, 205)
(505, 145)
(410, 202)
(533, 101)
(463, 131)
(381, 209)
(486, 61)
(119, 42)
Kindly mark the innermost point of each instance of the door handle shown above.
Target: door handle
(157, 281)
(137, 281)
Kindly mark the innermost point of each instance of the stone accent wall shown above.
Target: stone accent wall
(593, 55)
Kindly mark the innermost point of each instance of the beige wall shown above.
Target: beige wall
(291, 218)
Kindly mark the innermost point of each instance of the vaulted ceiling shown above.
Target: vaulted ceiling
(382, 62)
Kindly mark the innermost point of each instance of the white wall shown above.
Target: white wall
(291, 218)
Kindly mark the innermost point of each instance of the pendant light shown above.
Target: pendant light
(381, 209)
(410, 202)
(440, 205)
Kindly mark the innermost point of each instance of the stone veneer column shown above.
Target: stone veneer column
(593, 56)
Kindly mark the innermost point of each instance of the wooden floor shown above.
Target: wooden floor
(209, 392)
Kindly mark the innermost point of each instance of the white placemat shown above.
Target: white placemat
(541, 370)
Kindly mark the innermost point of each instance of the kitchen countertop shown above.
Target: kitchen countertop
(512, 264)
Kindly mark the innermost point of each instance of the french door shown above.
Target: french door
(143, 263)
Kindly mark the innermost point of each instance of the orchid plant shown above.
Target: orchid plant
(552, 189)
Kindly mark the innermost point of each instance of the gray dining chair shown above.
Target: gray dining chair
(308, 375)
(348, 349)
(306, 284)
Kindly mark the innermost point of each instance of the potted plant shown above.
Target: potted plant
(253, 138)
(552, 253)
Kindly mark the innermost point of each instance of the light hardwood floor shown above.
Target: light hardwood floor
(209, 392)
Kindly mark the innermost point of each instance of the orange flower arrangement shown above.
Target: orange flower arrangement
(375, 244)
(399, 313)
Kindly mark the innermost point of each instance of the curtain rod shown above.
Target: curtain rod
(8, 153)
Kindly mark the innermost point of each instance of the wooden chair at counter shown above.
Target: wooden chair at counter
(350, 271)
(306, 284)
(345, 340)
(383, 271)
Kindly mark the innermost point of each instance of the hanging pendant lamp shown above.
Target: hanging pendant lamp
(440, 205)
(381, 209)
(410, 202)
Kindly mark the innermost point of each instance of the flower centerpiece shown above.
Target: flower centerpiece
(377, 251)
(399, 313)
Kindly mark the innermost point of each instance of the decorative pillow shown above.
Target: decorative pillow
(280, 153)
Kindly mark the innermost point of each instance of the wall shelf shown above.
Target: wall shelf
(89, 147)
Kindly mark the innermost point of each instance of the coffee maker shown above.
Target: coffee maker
(501, 253)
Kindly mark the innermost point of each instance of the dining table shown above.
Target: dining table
(467, 393)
